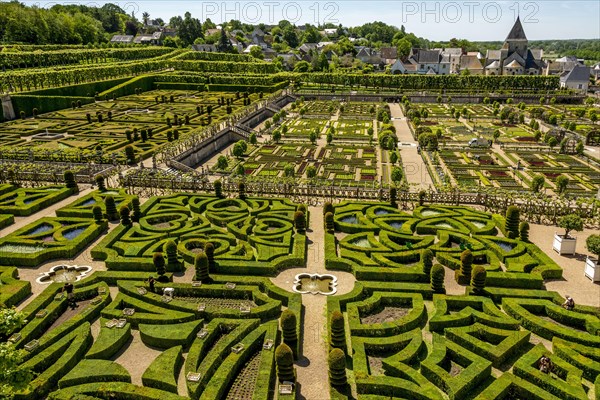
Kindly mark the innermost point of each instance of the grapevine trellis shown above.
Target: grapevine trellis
(538, 209)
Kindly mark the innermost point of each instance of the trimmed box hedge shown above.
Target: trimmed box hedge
(12, 289)
(88, 371)
(163, 372)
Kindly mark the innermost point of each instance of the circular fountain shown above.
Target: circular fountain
(325, 284)
(64, 273)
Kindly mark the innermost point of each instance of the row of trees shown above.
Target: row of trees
(52, 77)
(62, 24)
(29, 59)
(436, 82)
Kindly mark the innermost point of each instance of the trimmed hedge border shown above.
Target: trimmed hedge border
(12, 290)
(169, 336)
(53, 194)
(88, 371)
(56, 361)
(109, 341)
(162, 373)
(118, 390)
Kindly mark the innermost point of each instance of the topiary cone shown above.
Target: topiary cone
(512, 222)
(171, 251)
(125, 219)
(300, 221)
(288, 326)
(209, 249)
(478, 279)
(329, 224)
(427, 259)
(437, 278)
(284, 358)
(524, 231)
(466, 263)
(337, 368)
(338, 331)
(111, 208)
(201, 266)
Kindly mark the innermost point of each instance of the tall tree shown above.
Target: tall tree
(290, 36)
(224, 44)
(190, 29)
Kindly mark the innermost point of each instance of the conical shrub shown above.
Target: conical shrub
(427, 259)
(437, 278)
(338, 331)
(201, 267)
(478, 279)
(512, 222)
(284, 358)
(288, 326)
(337, 368)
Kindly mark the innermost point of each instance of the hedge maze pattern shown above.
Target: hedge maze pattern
(251, 236)
(218, 336)
(402, 336)
(407, 340)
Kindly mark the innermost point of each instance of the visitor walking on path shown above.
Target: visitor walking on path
(70, 297)
(151, 283)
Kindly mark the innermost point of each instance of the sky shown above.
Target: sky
(435, 20)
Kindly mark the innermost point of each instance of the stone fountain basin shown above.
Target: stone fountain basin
(325, 284)
(48, 277)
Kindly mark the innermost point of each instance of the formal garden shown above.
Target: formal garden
(209, 212)
(213, 324)
(530, 156)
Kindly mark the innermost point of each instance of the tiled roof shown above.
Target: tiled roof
(493, 55)
(122, 39)
(517, 32)
(577, 74)
(470, 62)
(389, 52)
(428, 56)
(513, 64)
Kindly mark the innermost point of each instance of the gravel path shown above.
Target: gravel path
(136, 358)
(574, 282)
(313, 381)
(415, 170)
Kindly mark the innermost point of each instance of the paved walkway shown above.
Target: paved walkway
(415, 169)
(312, 366)
(574, 282)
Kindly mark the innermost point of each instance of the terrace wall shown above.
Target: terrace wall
(207, 148)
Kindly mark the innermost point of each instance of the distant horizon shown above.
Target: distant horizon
(476, 21)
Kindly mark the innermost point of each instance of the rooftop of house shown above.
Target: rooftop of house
(122, 39)
(204, 47)
(513, 64)
(566, 59)
(210, 32)
(453, 51)
(577, 74)
(389, 53)
(470, 62)
(423, 56)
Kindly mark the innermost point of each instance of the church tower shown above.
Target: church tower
(516, 41)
